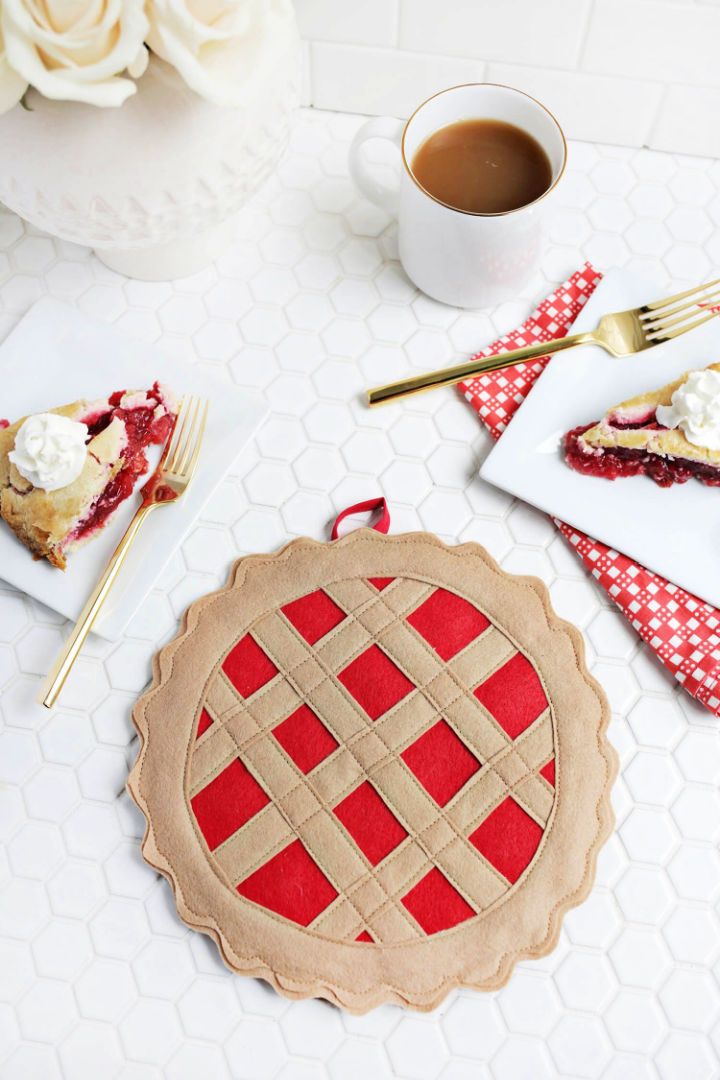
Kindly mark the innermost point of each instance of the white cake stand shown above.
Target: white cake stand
(150, 186)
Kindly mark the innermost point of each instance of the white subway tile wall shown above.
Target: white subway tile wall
(690, 117)
(628, 105)
(631, 72)
(383, 81)
(518, 30)
(672, 42)
(369, 22)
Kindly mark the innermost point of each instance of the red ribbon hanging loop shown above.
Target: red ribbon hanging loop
(381, 525)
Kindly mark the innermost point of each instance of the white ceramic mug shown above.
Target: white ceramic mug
(461, 258)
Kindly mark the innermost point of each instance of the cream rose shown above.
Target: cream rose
(76, 49)
(12, 85)
(218, 45)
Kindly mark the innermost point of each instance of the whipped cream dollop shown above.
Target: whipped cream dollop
(695, 409)
(50, 450)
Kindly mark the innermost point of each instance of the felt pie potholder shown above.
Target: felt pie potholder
(375, 769)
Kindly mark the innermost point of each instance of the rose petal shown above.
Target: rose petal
(78, 50)
(222, 47)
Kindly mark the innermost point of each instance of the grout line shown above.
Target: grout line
(654, 123)
(582, 49)
(629, 76)
(308, 75)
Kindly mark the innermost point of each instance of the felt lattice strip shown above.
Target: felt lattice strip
(385, 771)
(364, 600)
(682, 630)
(377, 745)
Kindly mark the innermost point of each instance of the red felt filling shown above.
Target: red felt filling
(204, 722)
(247, 667)
(375, 682)
(508, 838)
(435, 904)
(227, 803)
(143, 429)
(291, 884)
(441, 762)
(514, 695)
(305, 739)
(373, 827)
(314, 615)
(448, 622)
(548, 771)
(610, 463)
(381, 583)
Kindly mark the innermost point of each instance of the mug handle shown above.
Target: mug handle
(385, 195)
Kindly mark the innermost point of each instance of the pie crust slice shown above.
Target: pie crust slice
(386, 774)
(120, 429)
(629, 441)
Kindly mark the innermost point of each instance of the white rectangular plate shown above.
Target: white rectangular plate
(56, 355)
(674, 531)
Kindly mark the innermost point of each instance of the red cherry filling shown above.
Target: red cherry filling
(142, 429)
(610, 463)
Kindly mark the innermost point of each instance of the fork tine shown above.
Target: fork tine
(658, 305)
(658, 336)
(188, 405)
(192, 464)
(648, 319)
(666, 324)
(183, 458)
(175, 431)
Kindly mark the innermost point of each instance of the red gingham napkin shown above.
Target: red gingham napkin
(683, 630)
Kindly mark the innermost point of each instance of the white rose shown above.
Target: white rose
(217, 46)
(76, 49)
(12, 85)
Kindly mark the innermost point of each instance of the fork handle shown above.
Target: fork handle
(418, 384)
(62, 666)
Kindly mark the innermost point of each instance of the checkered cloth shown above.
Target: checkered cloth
(681, 629)
(400, 681)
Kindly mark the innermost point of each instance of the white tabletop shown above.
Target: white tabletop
(98, 978)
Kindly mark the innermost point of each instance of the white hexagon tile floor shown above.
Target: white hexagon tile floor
(98, 978)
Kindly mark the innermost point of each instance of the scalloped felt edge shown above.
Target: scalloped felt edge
(301, 983)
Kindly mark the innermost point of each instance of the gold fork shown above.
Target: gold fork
(621, 334)
(169, 481)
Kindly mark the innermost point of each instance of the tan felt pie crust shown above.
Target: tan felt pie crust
(524, 922)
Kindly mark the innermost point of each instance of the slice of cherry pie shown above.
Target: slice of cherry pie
(64, 473)
(671, 434)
